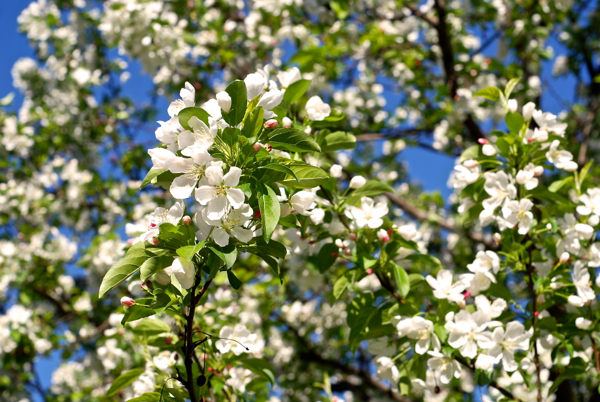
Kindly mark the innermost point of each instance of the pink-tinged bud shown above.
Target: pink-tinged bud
(229, 367)
(129, 241)
(186, 220)
(352, 236)
(467, 294)
(390, 231)
(257, 214)
(144, 287)
(347, 251)
(210, 369)
(287, 122)
(155, 241)
(311, 242)
(334, 255)
(168, 340)
(369, 271)
(537, 313)
(564, 257)
(383, 236)
(127, 301)
(538, 171)
(497, 238)
(152, 225)
(271, 123)
(482, 141)
(470, 164)
(268, 147)
(530, 140)
(256, 147)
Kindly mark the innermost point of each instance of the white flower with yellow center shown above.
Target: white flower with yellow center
(193, 169)
(200, 137)
(188, 94)
(219, 194)
(231, 224)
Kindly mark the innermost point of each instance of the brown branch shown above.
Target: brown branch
(446, 47)
(418, 13)
(423, 216)
(493, 384)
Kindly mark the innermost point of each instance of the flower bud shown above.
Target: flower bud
(271, 123)
(339, 243)
(287, 122)
(155, 241)
(467, 294)
(335, 171)
(347, 251)
(570, 166)
(186, 220)
(308, 130)
(352, 236)
(482, 141)
(497, 238)
(357, 182)
(268, 147)
(564, 257)
(512, 105)
(224, 101)
(583, 323)
(538, 171)
(541, 299)
(169, 340)
(369, 271)
(256, 147)
(488, 150)
(536, 314)
(335, 255)
(127, 301)
(528, 110)
(470, 163)
(461, 304)
(383, 236)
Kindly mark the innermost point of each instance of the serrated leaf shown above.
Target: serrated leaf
(338, 140)
(239, 102)
(290, 139)
(125, 268)
(124, 380)
(186, 114)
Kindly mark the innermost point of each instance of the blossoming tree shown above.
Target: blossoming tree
(265, 243)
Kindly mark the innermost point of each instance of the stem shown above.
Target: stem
(188, 348)
(594, 346)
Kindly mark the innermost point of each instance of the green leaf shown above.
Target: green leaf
(295, 91)
(125, 268)
(473, 152)
(147, 397)
(239, 102)
(514, 122)
(136, 312)
(490, 93)
(281, 168)
(360, 312)
(269, 211)
(150, 326)
(152, 173)
(273, 248)
(338, 140)
(326, 257)
(124, 380)
(260, 367)
(227, 254)
(233, 280)
(557, 185)
(341, 8)
(188, 252)
(153, 265)
(401, 278)
(254, 122)
(500, 291)
(186, 114)
(293, 140)
(309, 176)
(510, 85)
(340, 286)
